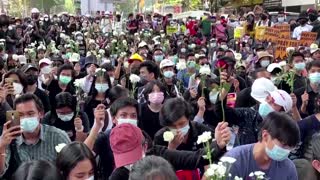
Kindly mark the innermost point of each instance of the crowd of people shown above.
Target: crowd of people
(94, 97)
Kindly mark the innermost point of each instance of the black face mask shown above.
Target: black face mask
(313, 17)
(31, 79)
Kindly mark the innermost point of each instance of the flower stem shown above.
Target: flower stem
(208, 152)
(221, 100)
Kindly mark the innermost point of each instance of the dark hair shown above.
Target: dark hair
(93, 92)
(108, 67)
(173, 109)
(29, 97)
(40, 170)
(281, 127)
(256, 71)
(121, 103)
(152, 67)
(117, 92)
(152, 167)
(295, 54)
(71, 155)
(315, 63)
(65, 99)
(149, 87)
(66, 67)
(20, 75)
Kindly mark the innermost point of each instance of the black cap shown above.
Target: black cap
(29, 66)
(57, 58)
(91, 60)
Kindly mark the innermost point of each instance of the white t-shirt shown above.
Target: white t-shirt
(298, 30)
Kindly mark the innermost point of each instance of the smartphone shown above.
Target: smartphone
(14, 117)
(9, 81)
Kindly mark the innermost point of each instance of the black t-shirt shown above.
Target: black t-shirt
(244, 98)
(55, 89)
(90, 105)
(311, 103)
(121, 173)
(44, 99)
(149, 120)
(68, 127)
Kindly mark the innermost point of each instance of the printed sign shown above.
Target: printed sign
(271, 34)
(171, 30)
(284, 31)
(307, 38)
(238, 32)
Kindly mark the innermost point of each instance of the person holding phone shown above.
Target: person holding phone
(31, 140)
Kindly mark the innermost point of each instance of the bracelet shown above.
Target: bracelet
(79, 130)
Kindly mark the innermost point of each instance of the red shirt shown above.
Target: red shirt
(191, 27)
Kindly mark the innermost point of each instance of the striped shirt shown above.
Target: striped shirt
(44, 149)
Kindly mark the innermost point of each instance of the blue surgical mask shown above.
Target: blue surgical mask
(168, 74)
(185, 130)
(101, 88)
(129, 121)
(277, 153)
(314, 78)
(158, 58)
(265, 109)
(66, 117)
(300, 66)
(29, 125)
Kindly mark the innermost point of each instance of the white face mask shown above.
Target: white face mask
(46, 70)
(129, 121)
(112, 80)
(264, 63)
(18, 88)
(280, 19)
(66, 117)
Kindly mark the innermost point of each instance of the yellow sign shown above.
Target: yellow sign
(171, 30)
(259, 34)
(280, 52)
(238, 32)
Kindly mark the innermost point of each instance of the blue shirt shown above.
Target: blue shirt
(245, 164)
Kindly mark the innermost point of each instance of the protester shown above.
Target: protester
(278, 135)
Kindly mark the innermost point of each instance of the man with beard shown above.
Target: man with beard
(32, 74)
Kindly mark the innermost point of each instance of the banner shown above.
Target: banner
(171, 30)
(288, 42)
(280, 52)
(271, 34)
(307, 38)
(284, 31)
(259, 32)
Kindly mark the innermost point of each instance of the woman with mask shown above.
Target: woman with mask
(155, 94)
(15, 83)
(264, 59)
(77, 162)
(185, 74)
(98, 93)
(175, 116)
(65, 117)
(63, 83)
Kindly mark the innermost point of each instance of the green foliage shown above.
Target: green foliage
(69, 6)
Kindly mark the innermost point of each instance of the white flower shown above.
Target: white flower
(282, 63)
(238, 56)
(237, 178)
(107, 61)
(251, 174)
(100, 69)
(122, 34)
(205, 70)
(289, 49)
(102, 51)
(62, 36)
(91, 41)
(123, 54)
(59, 147)
(134, 78)
(314, 46)
(136, 34)
(181, 65)
(115, 33)
(126, 64)
(228, 160)
(162, 35)
(221, 171)
(197, 56)
(168, 136)
(79, 83)
(89, 53)
(259, 173)
(114, 41)
(211, 170)
(15, 57)
(205, 137)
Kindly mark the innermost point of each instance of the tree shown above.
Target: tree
(16, 8)
(69, 6)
